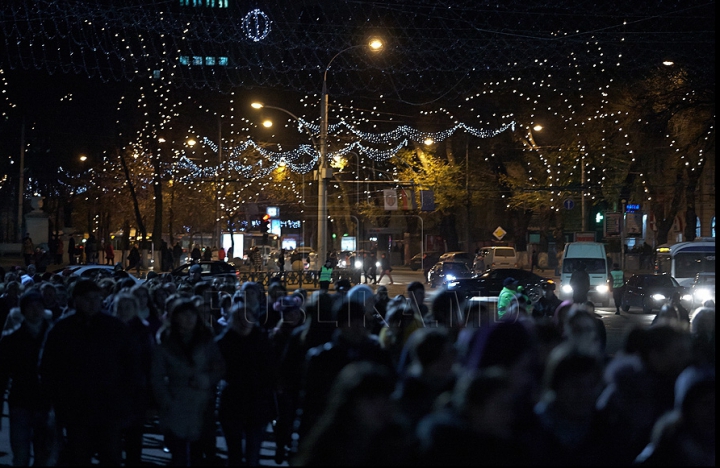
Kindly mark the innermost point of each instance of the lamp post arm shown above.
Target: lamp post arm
(297, 119)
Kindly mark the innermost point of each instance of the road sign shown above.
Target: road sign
(569, 204)
(499, 233)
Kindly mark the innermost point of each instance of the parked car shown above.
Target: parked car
(466, 258)
(210, 270)
(445, 271)
(490, 283)
(93, 272)
(495, 257)
(650, 292)
(703, 288)
(425, 259)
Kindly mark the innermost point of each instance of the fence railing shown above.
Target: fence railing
(299, 279)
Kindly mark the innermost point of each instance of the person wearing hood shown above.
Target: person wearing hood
(507, 294)
(32, 427)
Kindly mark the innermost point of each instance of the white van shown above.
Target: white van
(593, 256)
(496, 257)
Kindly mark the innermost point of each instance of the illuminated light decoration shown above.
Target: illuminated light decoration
(256, 25)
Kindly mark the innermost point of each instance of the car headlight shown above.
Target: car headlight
(358, 263)
(686, 297)
(602, 289)
(342, 264)
(658, 297)
(703, 294)
(450, 277)
(453, 284)
(567, 289)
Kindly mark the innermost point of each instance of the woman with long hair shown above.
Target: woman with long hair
(186, 368)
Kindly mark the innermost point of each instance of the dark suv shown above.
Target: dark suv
(210, 270)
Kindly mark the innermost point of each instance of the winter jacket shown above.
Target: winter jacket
(90, 369)
(250, 379)
(185, 384)
(19, 357)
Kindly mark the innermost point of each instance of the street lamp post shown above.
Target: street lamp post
(324, 172)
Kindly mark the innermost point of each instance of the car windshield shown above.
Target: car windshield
(456, 268)
(658, 282)
(592, 265)
(504, 253)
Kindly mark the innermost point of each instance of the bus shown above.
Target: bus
(684, 260)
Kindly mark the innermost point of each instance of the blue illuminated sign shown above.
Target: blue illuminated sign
(632, 207)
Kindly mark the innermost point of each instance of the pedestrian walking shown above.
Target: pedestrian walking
(90, 370)
(109, 253)
(256, 259)
(385, 268)
(59, 251)
(28, 249)
(134, 258)
(246, 402)
(195, 254)
(186, 369)
(281, 260)
(617, 283)
(91, 250)
(533, 260)
(580, 283)
(177, 252)
(32, 425)
(325, 275)
(71, 250)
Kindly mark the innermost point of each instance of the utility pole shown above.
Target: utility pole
(582, 197)
(467, 195)
(218, 230)
(21, 182)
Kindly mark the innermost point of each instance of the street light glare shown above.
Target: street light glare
(429, 141)
(191, 142)
(668, 63)
(267, 123)
(537, 128)
(257, 105)
(83, 157)
(376, 44)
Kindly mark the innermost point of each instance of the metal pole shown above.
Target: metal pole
(582, 197)
(218, 230)
(21, 182)
(322, 181)
(622, 236)
(467, 195)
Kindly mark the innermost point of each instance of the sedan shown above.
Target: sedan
(210, 270)
(490, 283)
(95, 272)
(444, 272)
(425, 259)
(650, 292)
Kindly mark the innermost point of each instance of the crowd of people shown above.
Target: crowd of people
(344, 376)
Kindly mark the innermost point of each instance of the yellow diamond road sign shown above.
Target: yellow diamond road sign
(499, 233)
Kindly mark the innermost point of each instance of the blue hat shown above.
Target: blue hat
(509, 281)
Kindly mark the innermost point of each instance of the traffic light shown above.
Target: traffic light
(265, 224)
(265, 228)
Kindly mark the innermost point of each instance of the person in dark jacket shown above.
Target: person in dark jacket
(351, 342)
(580, 282)
(31, 422)
(126, 307)
(90, 370)
(246, 402)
